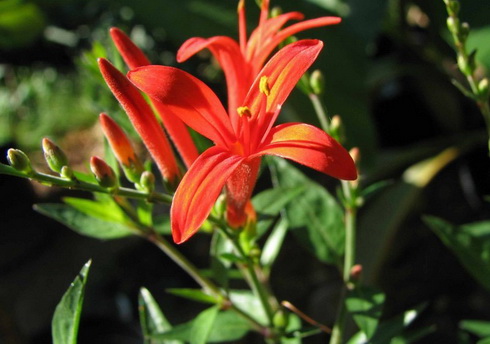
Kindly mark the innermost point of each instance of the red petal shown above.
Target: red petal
(283, 71)
(132, 55)
(187, 97)
(279, 36)
(312, 147)
(142, 118)
(199, 189)
(238, 75)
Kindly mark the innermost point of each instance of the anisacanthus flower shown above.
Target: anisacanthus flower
(176, 129)
(241, 61)
(241, 137)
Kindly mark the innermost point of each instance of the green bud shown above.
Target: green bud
(317, 82)
(67, 172)
(464, 31)
(483, 88)
(280, 319)
(275, 12)
(453, 7)
(19, 160)
(147, 181)
(464, 65)
(105, 175)
(54, 156)
(453, 25)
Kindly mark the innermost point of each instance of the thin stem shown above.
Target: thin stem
(321, 112)
(249, 268)
(85, 186)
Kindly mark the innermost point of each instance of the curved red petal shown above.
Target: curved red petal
(275, 40)
(132, 55)
(142, 118)
(199, 189)
(312, 147)
(186, 97)
(238, 75)
(283, 72)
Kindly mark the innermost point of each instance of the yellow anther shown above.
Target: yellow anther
(264, 85)
(244, 111)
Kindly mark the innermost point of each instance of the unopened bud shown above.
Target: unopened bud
(453, 7)
(464, 65)
(122, 148)
(483, 88)
(355, 153)
(54, 156)
(280, 319)
(19, 160)
(147, 181)
(453, 25)
(276, 11)
(355, 272)
(67, 172)
(317, 82)
(103, 172)
(335, 129)
(464, 32)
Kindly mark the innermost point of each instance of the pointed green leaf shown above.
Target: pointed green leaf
(202, 325)
(228, 327)
(272, 201)
(83, 223)
(66, 319)
(479, 328)
(193, 294)
(365, 305)
(106, 210)
(470, 243)
(315, 216)
(152, 319)
(273, 244)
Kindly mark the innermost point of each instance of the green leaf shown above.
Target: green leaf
(365, 305)
(202, 325)
(470, 243)
(83, 223)
(152, 318)
(249, 303)
(228, 327)
(479, 328)
(66, 319)
(193, 294)
(315, 217)
(106, 209)
(273, 244)
(272, 201)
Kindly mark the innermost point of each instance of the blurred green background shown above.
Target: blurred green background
(388, 68)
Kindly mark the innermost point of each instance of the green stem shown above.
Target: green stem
(249, 268)
(84, 186)
(321, 112)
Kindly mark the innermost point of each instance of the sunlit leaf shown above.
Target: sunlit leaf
(66, 319)
(83, 223)
(365, 305)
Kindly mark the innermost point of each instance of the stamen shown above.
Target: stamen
(244, 111)
(264, 85)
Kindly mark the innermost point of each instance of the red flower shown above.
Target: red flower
(242, 61)
(241, 137)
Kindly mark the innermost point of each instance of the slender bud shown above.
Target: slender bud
(464, 65)
(122, 148)
(355, 272)
(280, 319)
(54, 156)
(336, 128)
(147, 181)
(104, 174)
(19, 160)
(317, 82)
(464, 32)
